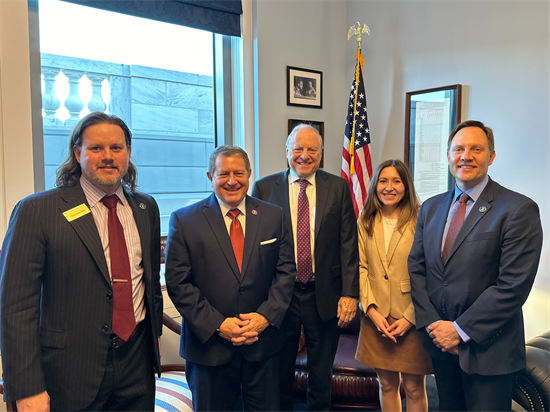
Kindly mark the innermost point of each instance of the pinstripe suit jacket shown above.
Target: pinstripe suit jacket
(56, 296)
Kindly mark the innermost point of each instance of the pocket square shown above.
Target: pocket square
(267, 242)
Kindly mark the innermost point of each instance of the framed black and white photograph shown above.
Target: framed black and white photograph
(319, 126)
(304, 87)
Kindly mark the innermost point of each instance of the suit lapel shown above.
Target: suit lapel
(479, 209)
(141, 217)
(281, 194)
(213, 215)
(394, 241)
(252, 225)
(85, 227)
(322, 190)
(440, 218)
(380, 241)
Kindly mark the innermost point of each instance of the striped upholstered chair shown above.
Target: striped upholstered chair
(173, 394)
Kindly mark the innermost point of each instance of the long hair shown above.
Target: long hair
(68, 173)
(409, 205)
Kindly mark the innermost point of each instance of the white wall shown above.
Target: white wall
(306, 34)
(499, 52)
(16, 153)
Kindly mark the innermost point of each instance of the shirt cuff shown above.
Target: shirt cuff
(463, 335)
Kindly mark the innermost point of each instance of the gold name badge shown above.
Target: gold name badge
(76, 212)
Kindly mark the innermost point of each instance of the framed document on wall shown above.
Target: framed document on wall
(430, 117)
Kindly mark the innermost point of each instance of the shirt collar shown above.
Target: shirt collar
(226, 208)
(475, 191)
(94, 194)
(293, 177)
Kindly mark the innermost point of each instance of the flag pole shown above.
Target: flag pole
(359, 31)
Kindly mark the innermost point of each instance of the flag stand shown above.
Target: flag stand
(356, 160)
(359, 31)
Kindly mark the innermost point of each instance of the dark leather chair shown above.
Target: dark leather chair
(532, 384)
(354, 385)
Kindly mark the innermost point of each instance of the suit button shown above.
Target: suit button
(241, 291)
(445, 283)
(105, 328)
(443, 310)
(386, 277)
(109, 296)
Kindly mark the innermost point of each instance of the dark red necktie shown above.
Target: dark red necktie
(303, 241)
(124, 321)
(456, 220)
(237, 237)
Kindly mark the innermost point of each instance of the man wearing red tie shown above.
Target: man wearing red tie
(81, 305)
(473, 262)
(319, 213)
(230, 272)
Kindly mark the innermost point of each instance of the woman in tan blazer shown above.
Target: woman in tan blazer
(388, 340)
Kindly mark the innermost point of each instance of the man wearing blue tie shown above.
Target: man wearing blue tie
(472, 265)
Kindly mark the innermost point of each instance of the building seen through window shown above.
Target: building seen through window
(157, 77)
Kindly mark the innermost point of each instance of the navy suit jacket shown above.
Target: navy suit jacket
(487, 277)
(55, 290)
(206, 286)
(336, 250)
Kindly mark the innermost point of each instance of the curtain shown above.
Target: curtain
(219, 16)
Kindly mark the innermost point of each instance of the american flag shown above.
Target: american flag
(359, 176)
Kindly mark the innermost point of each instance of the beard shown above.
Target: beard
(113, 179)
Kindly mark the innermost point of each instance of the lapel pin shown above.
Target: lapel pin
(142, 205)
(254, 212)
(482, 209)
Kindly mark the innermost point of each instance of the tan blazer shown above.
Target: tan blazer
(384, 279)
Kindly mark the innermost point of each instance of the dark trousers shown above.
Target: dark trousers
(217, 388)
(321, 344)
(129, 380)
(460, 391)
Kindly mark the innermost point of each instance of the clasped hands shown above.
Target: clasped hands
(445, 336)
(396, 329)
(243, 329)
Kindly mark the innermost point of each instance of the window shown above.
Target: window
(160, 78)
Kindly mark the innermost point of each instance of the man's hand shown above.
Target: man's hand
(160, 349)
(35, 403)
(445, 336)
(231, 330)
(380, 322)
(399, 327)
(346, 310)
(258, 323)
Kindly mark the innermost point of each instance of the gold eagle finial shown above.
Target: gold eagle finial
(359, 31)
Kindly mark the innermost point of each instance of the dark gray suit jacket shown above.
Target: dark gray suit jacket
(56, 297)
(336, 253)
(206, 286)
(487, 278)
